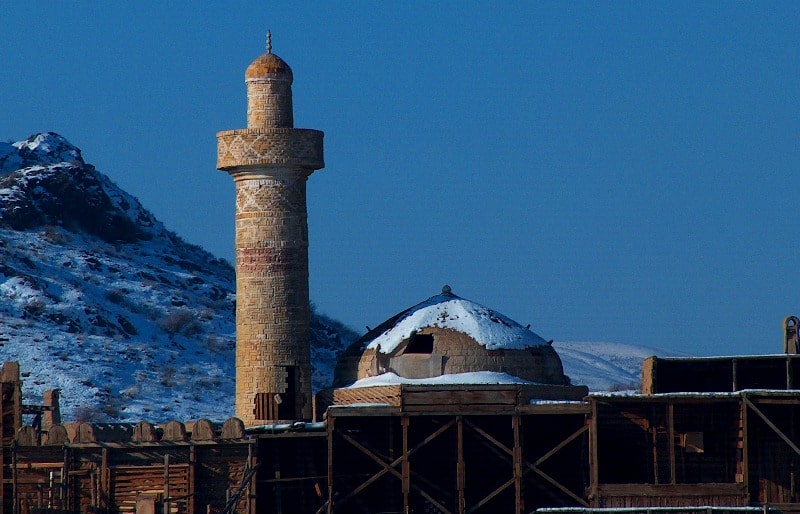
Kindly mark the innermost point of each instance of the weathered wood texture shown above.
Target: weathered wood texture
(720, 374)
(455, 398)
(668, 495)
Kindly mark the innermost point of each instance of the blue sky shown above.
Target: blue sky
(622, 172)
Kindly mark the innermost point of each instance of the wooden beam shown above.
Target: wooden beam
(562, 444)
(491, 495)
(489, 438)
(559, 486)
(772, 425)
(389, 467)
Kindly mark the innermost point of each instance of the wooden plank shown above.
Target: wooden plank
(556, 408)
(464, 410)
(706, 489)
(460, 397)
(353, 411)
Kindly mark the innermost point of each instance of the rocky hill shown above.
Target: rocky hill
(100, 300)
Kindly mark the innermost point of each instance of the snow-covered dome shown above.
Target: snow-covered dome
(447, 335)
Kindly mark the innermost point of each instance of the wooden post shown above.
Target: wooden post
(252, 459)
(671, 430)
(735, 374)
(103, 488)
(406, 465)
(192, 477)
(65, 492)
(278, 487)
(594, 473)
(654, 442)
(166, 483)
(14, 476)
(461, 507)
(745, 457)
(330, 463)
(516, 422)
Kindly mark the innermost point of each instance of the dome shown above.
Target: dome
(449, 335)
(269, 65)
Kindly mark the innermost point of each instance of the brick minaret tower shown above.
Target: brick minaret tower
(270, 162)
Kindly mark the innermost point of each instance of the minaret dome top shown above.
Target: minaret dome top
(269, 65)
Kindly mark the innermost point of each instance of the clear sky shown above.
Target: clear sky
(622, 172)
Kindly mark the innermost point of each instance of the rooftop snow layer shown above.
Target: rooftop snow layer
(487, 327)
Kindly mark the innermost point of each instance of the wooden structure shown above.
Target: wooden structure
(444, 449)
(159, 472)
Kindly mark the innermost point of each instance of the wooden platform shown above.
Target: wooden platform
(461, 398)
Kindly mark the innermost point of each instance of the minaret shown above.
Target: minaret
(270, 162)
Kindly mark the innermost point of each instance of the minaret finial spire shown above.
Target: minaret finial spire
(269, 42)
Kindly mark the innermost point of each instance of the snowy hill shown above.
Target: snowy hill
(98, 299)
(606, 366)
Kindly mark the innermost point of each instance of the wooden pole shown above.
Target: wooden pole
(166, 483)
(671, 431)
(14, 476)
(102, 493)
(594, 474)
(460, 479)
(745, 456)
(330, 464)
(192, 477)
(516, 423)
(406, 465)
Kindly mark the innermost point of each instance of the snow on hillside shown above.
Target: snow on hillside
(99, 300)
(606, 366)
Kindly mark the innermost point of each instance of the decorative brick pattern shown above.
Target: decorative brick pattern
(270, 162)
(269, 103)
(270, 147)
